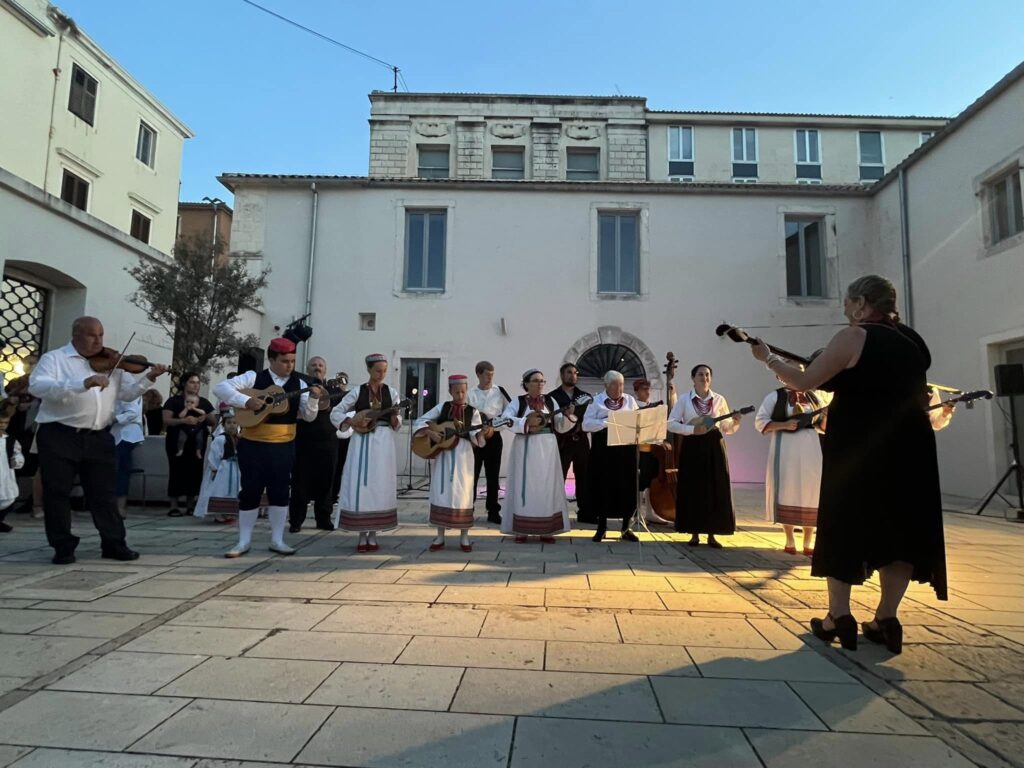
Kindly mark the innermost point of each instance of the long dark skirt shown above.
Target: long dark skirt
(703, 491)
(185, 472)
(612, 477)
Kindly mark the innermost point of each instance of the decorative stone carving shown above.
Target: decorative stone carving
(508, 130)
(612, 334)
(432, 129)
(582, 131)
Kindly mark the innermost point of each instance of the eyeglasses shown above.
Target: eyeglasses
(536, 381)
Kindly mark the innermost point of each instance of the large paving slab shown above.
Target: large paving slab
(125, 672)
(248, 679)
(34, 655)
(255, 614)
(690, 631)
(331, 646)
(68, 758)
(788, 749)
(551, 625)
(404, 620)
(475, 652)
(389, 686)
(742, 703)
(619, 659)
(208, 641)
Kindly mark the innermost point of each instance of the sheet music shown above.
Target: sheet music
(622, 426)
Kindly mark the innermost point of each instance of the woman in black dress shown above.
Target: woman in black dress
(184, 464)
(880, 506)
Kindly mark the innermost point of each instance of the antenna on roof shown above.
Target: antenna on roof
(617, 89)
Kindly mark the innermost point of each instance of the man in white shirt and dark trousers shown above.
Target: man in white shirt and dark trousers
(74, 438)
(490, 401)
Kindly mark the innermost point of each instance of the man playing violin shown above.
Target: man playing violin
(266, 451)
(75, 414)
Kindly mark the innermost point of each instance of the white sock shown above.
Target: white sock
(439, 539)
(371, 538)
(362, 537)
(464, 538)
(278, 518)
(246, 523)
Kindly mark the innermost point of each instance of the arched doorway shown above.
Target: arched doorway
(611, 348)
(23, 315)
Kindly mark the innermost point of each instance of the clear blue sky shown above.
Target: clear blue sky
(264, 97)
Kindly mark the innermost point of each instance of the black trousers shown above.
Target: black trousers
(313, 479)
(575, 449)
(63, 453)
(338, 467)
(488, 458)
(264, 466)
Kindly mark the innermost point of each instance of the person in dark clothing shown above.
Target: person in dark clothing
(574, 445)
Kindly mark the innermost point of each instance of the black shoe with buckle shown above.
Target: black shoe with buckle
(119, 551)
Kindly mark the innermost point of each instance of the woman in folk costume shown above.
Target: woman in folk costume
(793, 478)
(612, 470)
(369, 482)
(452, 489)
(535, 503)
(704, 493)
(218, 494)
(11, 458)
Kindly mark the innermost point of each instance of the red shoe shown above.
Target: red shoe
(809, 551)
(789, 550)
(437, 547)
(522, 539)
(466, 547)
(547, 539)
(372, 547)
(363, 548)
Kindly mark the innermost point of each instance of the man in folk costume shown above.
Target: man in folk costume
(793, 477)
(452, 489)
(369, 481)
(316, 454)
(490, 401)
(535, 503)
(266, 452)
(573, 445)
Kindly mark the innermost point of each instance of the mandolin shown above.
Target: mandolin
(275, 401)
(965, 397)
(376, 415)
(710, 421)
(452, 432)
(536, 420)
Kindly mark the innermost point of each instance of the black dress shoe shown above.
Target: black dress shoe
(294, 528)
(5, 528)
(714, 543)
(694, 541)
(119, 552)
(845, 629)
(63, 558)
(322, 527)
(494, 518)
(887, 632)
(599, 536)
(628, 535)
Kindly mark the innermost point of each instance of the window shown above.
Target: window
(420, 379)
(433, 163)
(1005, 216)
(744, 154)
(507, 163)
(805, 257)
(82, 101)
(925, 135)
(424, 250)
(145, 147)
(808, 154)
(75, 190)
(618, 253)
(140, 227)
(582, 164)
(680, 151)
(872, 155)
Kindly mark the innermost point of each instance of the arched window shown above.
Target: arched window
(597, 361)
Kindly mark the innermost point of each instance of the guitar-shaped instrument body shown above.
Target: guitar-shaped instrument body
(536, 420)
(275, 401)
(709, 422)
(376, 415)
(451, 432)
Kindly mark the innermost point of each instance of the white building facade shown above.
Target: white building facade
(535, 230)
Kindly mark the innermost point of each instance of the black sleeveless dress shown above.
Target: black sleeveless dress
(880, 499)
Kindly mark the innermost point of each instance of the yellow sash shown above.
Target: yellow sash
(270, 433)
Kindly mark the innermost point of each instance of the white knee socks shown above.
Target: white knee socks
(278, 517)
(246, 523)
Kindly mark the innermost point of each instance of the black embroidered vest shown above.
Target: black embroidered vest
(294, 384)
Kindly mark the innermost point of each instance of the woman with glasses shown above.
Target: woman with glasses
(535, 503)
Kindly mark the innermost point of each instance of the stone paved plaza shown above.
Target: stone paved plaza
(570, 655)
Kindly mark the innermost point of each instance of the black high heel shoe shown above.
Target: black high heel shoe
(888, 632)
(845, 629)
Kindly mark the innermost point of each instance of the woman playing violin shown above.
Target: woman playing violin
(704, 492)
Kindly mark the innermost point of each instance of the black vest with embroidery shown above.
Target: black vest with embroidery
(446, 414)
(294, 384)
(363, 401)
(523, 405)
(780, 412)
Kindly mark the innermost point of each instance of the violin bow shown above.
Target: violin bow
(120, 357)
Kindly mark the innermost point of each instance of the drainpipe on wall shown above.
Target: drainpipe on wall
(53, 109)
(312, 259)
(908, 289)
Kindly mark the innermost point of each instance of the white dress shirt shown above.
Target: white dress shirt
(684, 412)
(58, 380)
(595, 418)
(229, 392)
(489, 402)
(128, 422)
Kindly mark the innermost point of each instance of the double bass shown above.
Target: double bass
(662, 492)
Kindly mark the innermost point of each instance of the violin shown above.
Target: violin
(108, 359)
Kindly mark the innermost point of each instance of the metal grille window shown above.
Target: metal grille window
(82, 100)
(420, 377)
(1005, 211)
(433, 163)
(75, 190)
(140, 227)
(22, 325)
(871, 151)
(805, 258)
(582, 164)
(507, 163)
(425, 250)
(145, 147)
(618, 253)
(597, 361)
